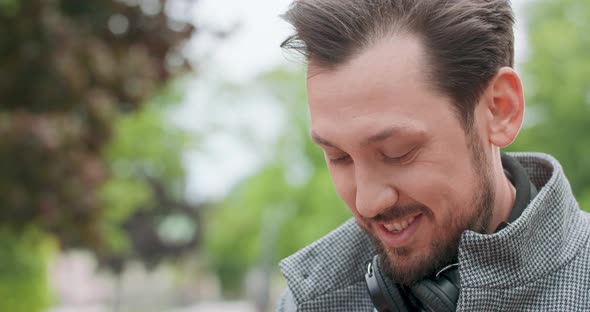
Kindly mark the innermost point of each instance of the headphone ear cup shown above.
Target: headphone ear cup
(392, 293)
(437, 295)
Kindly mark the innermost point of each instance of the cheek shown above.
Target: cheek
(345, 186)
(439, 188)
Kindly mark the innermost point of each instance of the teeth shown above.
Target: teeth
(389, 227)
(399, 226)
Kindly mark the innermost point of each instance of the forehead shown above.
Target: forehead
(403, 52)
(385, 83)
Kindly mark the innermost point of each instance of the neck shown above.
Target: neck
(504, 198)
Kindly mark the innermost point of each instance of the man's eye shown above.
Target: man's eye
(399, 159)
(340, 160)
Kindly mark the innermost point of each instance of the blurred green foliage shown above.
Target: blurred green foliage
(294, 192)
(557, 86)
(144, 145)
(23, 273)
(70, 70)
(146, 186)
(288, 204)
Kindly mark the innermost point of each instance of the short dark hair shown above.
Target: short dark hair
(466, 41)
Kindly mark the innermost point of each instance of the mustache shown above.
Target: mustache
(399, 212)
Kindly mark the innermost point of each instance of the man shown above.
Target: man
(411, 101)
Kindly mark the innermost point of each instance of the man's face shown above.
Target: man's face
(399, 157)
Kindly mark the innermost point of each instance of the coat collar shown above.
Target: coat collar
(332, 263)
(544, 238)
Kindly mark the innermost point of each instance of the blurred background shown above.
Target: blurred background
(154, 153)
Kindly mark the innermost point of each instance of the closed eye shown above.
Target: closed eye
(400, 159)
(340, 160)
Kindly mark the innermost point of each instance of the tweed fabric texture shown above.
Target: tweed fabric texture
(541, 262)
(327, 275)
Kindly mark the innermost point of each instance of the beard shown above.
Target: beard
(406, 267)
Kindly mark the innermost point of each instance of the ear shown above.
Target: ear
(505, 107)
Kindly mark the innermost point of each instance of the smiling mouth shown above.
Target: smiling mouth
(399, 233)
(397, 227)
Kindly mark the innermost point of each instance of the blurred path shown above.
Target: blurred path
(219, 307)
(238, 306)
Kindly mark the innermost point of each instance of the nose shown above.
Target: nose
(374, 194)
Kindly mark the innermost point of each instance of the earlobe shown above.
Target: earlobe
(506, 107)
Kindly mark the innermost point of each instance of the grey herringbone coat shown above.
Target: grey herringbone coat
(541, 262)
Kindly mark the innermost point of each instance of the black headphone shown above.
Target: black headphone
(440, 292)
(436, 294)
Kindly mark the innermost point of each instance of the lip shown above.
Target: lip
(396, 240)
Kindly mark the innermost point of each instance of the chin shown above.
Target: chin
(408, 265)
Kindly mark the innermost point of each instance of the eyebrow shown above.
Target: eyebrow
(321, 141)
(381, 135)
(377, 137)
